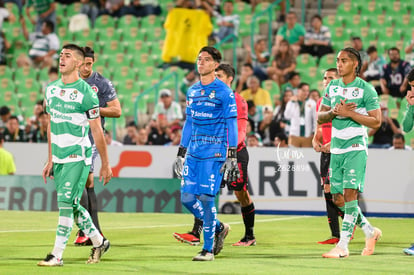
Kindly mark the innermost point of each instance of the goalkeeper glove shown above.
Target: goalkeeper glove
(230, 167)
(179, 162)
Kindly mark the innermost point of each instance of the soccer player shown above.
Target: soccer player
(350, 103)
(109, 106)
(408, 122)
(73, 107)
(209, 131)
(226, 73)
(321, 143)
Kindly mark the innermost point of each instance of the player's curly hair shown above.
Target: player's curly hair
(354, 54)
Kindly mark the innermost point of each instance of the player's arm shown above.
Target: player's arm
(98, 137)
(317, 138)
(408, 120)
(113, 109)
(325, 114)
(372, 120)
(48, 168)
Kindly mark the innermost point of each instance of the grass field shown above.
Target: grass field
(143, 243)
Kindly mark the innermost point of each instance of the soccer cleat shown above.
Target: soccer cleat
(97, 252)
(409, 251)
(189, 238)
(81, 239)
(370, 242)
(330, 240)
(50, 260)
(204, 255)
(219, 238)
(246, 241)
(337, 253)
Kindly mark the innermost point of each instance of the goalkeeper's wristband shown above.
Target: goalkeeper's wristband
(181, 151)
(232, 152)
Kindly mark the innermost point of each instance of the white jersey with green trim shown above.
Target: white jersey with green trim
(347, 134)
(70, 107)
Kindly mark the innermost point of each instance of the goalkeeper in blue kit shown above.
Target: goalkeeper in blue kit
(208, 150)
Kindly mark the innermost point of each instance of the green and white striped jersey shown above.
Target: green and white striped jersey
(347, 134)
(70, 107)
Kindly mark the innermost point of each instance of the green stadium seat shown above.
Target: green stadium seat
(166, 6)
(5, 72)
(149, 22)
(332, 21)
(403, 21)
(29, 84)
(43, 75)
(327, 61)
(84, 35)
(103, 71)
(371, 8)
(155, 34)
(23, 73)
(127, 22)
(401, 110)
(379, 22)
(73, 9)
(143, 59)
(7, 84)
(389, 35)
(105, 35)
(105, 21)
(9, 98)
(123, 74)
(113, 46)
(137, 47)
(64, 33)
(305, 61)
(12, 8)
(133, 35)
(242, 8)
(393, 8)
(117, 60)
(347, 9)
(272, 87)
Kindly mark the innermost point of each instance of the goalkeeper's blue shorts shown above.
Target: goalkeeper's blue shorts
(201, 177)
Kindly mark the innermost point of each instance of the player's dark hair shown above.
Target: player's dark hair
(75, 48)
(354, 54)
(393, 49)
(227, 69)
(410, 76)
(4, 110)
(89, 52)
(303, 84)
(50, 25)
(39, 102)
(53, 70)
(399, 136)
(333, 70)
(371, 49)
(215, 54)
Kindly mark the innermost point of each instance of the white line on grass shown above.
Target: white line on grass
(155, 226)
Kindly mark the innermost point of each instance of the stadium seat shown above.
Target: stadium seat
(242, 8)
(73, 9)
(23, 73)
(272, 87)
(117, 60)
(127, 22)
(389, 35)
(105, 35)
(7, 84)
(310, 75)
(166, 6)
(84, 35)
(103, 71)
(133, 35)
(371, 8)
(9, 98)
(332, 21)
(137, 47)
(327, 61)
(346, 8)
(142, 60)
(64, 33)
(104, 21)
(124, 73)
(12, 8)
(388, 101)
(113, 46)
(155, 34)
(150, 21)
(5, 72)
(305, 61)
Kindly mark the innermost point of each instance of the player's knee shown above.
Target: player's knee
(187, 198)
(206, 198)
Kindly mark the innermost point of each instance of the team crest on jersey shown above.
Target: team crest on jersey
(95, 89)
(344, 92)
(355, 92)
(73, 95)
(62, 92)
(212, 94)
(202, 92)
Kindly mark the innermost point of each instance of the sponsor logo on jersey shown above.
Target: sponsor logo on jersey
(203, 114)
(231, 95)
(211, 104)
(73, 95)
(202, 92)
(68, 106)
(93, 113)
(212, 94)
(73, 156)
(95, 89)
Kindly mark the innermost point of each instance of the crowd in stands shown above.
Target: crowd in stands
(279, 87)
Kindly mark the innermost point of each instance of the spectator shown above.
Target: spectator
(394, 75)
(259, 58)
(291, 31)
(374, 69)
(13, 133)
(255, 117)
(281, 141)
(142, 138)
(45, 10)
(315, 95)
(4, 47)
(384, 134)
(5, 114)
(301, 112)
(175, 135)
(409, 50)
(169, 108)
(132, 134)
(45, 45)
(189, 79)
(109, 141)
(142, 8)
(91, 8)
(7, 166)
(277, 122)
(260, 97)
(5, 15)
(356, 43)
(113, 8)
(292, 84)
(254, 140)
(39, 134)
(228, 23)
(53, 74)
(32, 122)
(283, 63)
(159, 133)
(398, 143)
(246, 72)
(317, 39)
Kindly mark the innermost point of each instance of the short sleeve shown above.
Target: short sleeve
(371, 98)
(230, 107)
(326, 100)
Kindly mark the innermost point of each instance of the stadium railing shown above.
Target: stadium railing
(234, 39)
